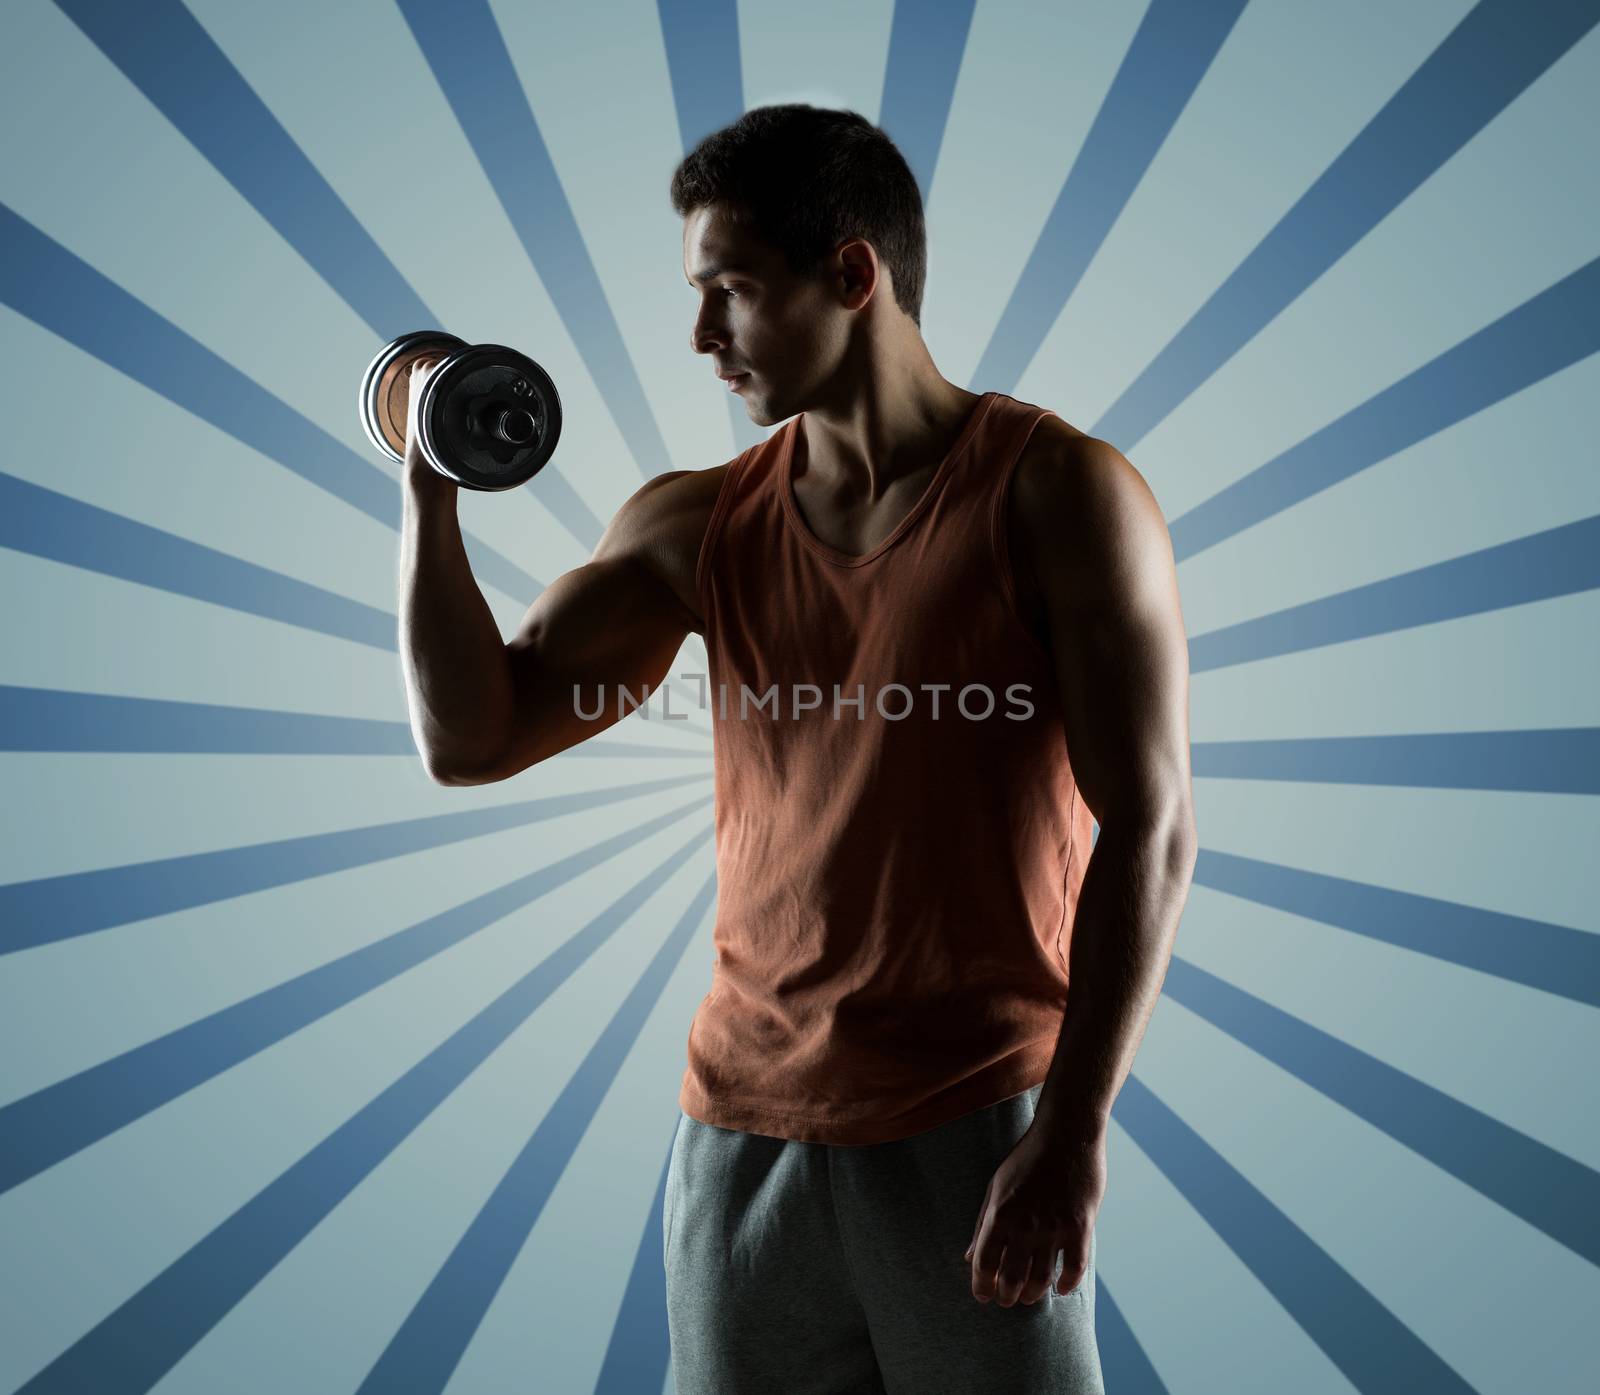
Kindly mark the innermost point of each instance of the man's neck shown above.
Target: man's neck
(893, 422)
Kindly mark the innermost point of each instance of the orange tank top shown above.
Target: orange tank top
(899, 841)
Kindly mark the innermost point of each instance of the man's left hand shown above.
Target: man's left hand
(1042, 1199)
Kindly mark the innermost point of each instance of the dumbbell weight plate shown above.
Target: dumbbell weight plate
(386, 387)
(489, 417)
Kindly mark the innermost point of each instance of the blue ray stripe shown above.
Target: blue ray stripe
(705, 66)
(1375, 1350)
(1549, 1190)
(555, 493)
(1495, 53)
(1552, 958)
(926, 45)
(639, 1351)
(1126, 1367)
(43, 523)
(44, 1128)
(58, 291)
(1174, 46)
(1546, 333)
(138, 1343)
(1560, 760)
(54, 720)
(428, 1347)
(464, 48)
(48, 910)
(1559, 561)
(162, 49)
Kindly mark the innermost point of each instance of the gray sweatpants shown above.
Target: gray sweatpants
(818, 1269)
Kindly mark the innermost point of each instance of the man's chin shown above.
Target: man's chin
(755, 406)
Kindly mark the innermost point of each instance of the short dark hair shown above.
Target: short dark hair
(804, 179)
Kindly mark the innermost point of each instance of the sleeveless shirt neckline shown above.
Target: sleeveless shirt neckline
(791, 505)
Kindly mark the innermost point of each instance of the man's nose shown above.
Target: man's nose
(707, 335)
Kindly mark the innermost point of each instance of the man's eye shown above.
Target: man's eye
(729, 290)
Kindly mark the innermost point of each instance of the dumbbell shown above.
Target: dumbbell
(489, 417)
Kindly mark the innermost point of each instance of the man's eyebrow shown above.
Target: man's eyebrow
(710, 273)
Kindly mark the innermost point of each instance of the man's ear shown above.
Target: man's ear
(859, 272)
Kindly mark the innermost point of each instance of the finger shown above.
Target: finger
(1041, 1266)
(1063, 1281)
(1072, 1271)
(1013, 1275)
(421, 369)
(983, 1210)
(986, 1264)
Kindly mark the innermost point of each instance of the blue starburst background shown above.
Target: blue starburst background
(318, 1077)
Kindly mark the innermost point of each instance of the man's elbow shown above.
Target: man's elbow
(439, 775)
(1181, 838)
(1164, 828)
(455, 775)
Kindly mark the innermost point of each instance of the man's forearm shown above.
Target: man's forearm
(1132, 895)
(458, 682)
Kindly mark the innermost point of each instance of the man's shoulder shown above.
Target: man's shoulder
(680, 489)
(669, 504)
(1058, 460)
(1076, 504)
(662, 525)
(1068, 480)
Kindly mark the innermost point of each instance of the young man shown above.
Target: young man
(944, 638)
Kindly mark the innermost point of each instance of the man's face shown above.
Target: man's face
(755, 316)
